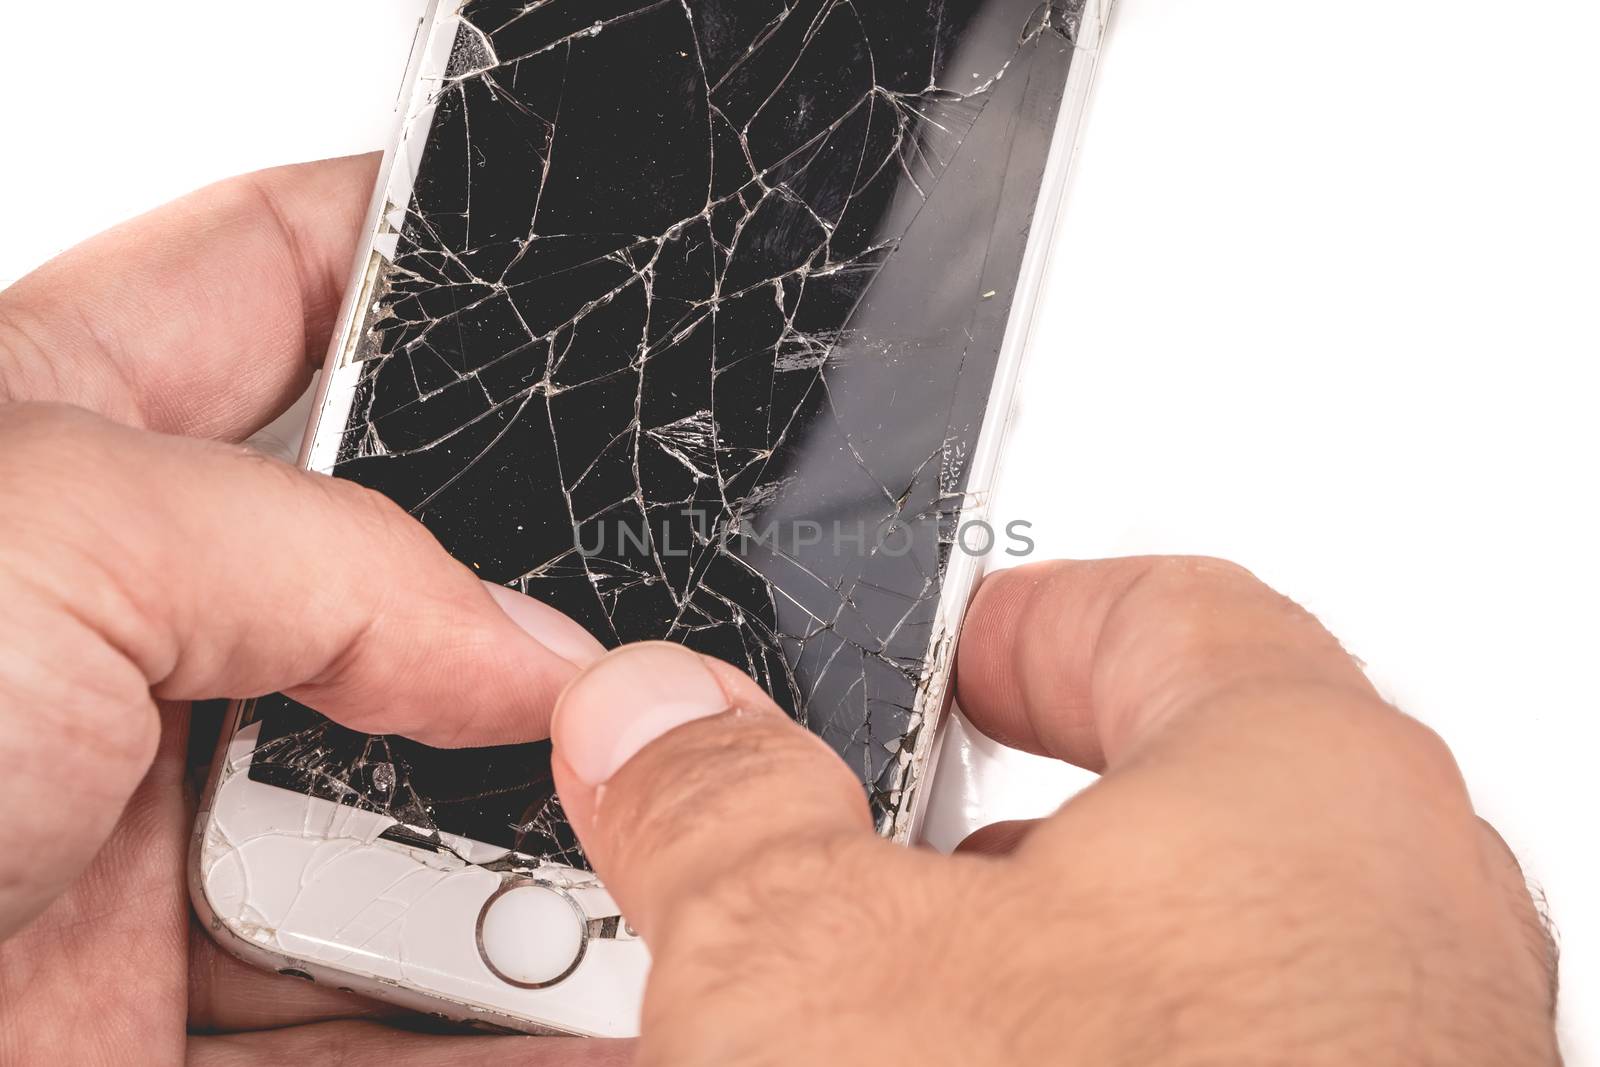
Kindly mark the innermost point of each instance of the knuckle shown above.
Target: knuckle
(1178, 599)
(1193, 583)
(384, 524)
(786, 877)
(116, 730)
(26, 367)
(379, 524)
(678, 785)
(58, 482)
(1200, 609)
(77, 703)
(739, 920)
(42, 434)
(1418, 753)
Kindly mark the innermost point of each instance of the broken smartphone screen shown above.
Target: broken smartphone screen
(697, 320)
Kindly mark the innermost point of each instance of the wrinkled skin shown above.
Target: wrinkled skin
(1276, 866)
(147, 560)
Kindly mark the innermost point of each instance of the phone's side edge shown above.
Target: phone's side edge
(331, 407)
(347, 325)
(936, 696)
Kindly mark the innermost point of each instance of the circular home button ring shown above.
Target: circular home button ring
(531, 934)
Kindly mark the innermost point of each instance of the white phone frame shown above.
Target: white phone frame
(324, 898)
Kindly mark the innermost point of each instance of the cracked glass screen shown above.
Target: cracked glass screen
(689, 326)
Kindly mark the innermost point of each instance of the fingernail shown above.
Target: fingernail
(548, 626)
(629, 700)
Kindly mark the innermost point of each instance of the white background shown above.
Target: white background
(1325, 302)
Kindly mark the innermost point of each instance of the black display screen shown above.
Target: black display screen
(689, 331)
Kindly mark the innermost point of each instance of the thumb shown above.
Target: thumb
(676, 770)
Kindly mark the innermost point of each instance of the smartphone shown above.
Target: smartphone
(699, 320)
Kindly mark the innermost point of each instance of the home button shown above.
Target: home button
(531, 935)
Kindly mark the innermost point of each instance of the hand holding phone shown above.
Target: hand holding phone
(1276, 866)
(1270, 842)
(147, 559)
(142, 564)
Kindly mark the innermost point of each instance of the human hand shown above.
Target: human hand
(146, 560)
(1277, 867)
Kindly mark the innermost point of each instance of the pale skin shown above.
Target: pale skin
(1276, 866)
